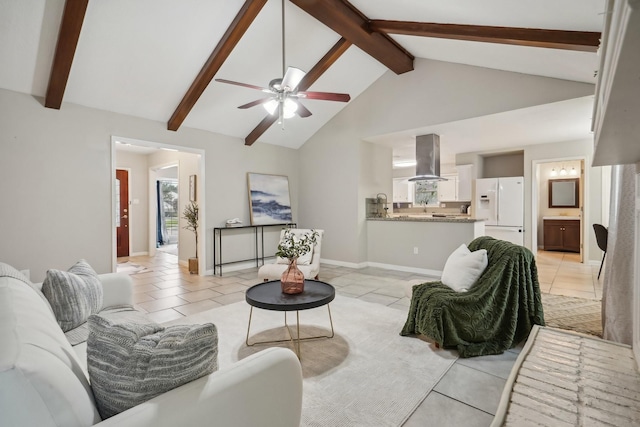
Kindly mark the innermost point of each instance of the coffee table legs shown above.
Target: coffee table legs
(294, 341)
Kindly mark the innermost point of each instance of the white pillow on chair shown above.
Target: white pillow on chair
(463, 268)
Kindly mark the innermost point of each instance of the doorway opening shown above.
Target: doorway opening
(559, 220)
(167, 201)
(159, 177)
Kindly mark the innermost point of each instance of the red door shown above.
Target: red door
(122, 212)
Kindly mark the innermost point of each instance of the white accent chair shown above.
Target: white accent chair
(274, 271)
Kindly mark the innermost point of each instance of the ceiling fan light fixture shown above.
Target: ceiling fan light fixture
(290, 107)
(271, 106)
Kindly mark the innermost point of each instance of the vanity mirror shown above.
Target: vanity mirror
(564, 193)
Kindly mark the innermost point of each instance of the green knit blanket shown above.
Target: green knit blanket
(497, 312)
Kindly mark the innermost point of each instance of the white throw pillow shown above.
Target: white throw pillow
(463, 268)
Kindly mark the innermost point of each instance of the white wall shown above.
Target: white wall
(56, 175)
(375, 177)
(435, 92)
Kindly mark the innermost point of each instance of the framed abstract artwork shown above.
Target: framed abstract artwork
(269, 201)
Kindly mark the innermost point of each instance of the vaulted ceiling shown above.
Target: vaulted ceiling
(157, 58)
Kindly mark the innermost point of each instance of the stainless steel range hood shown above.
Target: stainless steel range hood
(427, 158)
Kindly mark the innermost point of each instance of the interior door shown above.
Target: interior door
(122, 212)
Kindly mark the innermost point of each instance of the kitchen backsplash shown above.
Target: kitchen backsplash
(445, 207)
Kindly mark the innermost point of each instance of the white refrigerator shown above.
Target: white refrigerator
(500, 201)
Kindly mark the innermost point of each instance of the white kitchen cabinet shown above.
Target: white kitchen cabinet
(448, 190)
(465, 179)
(402, 191)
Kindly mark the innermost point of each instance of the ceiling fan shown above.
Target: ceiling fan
(283, 92)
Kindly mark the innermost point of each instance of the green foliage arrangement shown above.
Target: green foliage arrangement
(190, 213)
(292, 246)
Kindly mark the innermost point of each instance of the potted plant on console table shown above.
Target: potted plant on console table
(190, 213)
(292, 247)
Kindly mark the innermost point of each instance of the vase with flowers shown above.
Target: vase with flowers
(292, 246)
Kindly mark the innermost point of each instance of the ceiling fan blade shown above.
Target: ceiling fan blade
(302, 111)
(254, 103)
(231, 82)
(325, 96)
(292, 79)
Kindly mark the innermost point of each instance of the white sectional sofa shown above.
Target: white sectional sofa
(44, 382)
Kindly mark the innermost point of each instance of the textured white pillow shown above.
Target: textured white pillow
(130, 363)
(74, 295)
(463, 268)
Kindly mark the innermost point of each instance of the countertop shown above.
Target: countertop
(562, 217)
(424, 218)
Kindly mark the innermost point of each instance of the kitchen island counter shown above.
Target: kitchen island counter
(428, 218)
(418, 244)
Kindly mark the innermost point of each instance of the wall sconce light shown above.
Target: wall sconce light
(563, 171)
(573, 171)
(553, 172)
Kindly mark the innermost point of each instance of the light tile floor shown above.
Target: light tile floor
(468, 394)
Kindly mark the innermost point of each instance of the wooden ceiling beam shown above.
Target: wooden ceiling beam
(70, 26)
(585, 41)
(350, 23)
(310, 78)
(225, 46)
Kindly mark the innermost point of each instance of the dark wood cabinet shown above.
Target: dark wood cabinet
(562, 235)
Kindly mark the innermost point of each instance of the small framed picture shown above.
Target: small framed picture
(192, 188)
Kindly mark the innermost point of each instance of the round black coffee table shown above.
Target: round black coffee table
(269, 296)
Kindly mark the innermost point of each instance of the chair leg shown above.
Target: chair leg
(601, 264)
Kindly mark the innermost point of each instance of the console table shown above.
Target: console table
(217, 243)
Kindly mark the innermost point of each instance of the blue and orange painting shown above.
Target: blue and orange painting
(269, 199)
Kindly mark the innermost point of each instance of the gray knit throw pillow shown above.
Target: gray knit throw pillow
(131, 363)
(74, 295)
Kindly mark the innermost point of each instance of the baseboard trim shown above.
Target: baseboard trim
(366, 264)
(423, 271)
(344, 263)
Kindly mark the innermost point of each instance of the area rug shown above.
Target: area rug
(367, 375)
(131, 268)
(574, 314)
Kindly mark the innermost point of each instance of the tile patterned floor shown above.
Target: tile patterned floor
(467, 395)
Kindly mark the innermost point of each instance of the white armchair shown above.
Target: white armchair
(274, 271)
